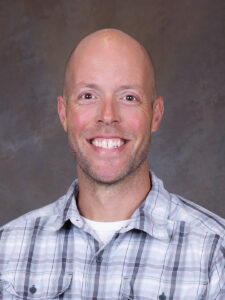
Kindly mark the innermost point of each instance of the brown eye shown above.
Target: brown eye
(130, 98)
(87, 96)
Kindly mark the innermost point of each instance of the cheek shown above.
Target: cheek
(139, 122)
(78, 119)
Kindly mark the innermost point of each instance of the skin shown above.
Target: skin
(109, 92)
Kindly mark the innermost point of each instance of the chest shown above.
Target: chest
(131, 266)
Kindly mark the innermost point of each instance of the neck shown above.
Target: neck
(115, 202)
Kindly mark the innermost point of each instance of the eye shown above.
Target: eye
(130, 98)
(87, 96)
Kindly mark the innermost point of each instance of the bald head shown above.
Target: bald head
(110, 45)
(110, 87)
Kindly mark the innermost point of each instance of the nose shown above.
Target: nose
(108, 112)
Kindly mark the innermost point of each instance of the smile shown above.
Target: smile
(108, 143)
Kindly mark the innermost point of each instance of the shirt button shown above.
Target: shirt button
(99, 259)
(32, 289)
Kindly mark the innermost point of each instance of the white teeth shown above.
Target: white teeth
(108, 143)
(104, 144)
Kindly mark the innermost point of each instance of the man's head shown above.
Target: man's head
(109, 107)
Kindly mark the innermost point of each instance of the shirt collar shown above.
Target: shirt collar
(152, 216)
(67, 208)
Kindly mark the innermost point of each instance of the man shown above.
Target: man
(117, 233)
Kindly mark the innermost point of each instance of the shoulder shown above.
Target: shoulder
(198, 223)
(19, 233)
(201, 232)
(48, 219)
(196, 216)
(44, 216)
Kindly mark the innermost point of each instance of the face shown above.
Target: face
(108, 115)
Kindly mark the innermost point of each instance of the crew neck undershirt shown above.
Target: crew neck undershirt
(105, 230)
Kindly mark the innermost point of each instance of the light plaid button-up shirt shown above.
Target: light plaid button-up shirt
(171, 249)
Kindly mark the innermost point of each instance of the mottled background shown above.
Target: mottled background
(187, 42)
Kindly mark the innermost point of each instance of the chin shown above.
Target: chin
(105, 178)
(109, 174)
(108, 179)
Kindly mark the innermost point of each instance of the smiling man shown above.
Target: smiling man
(109, 110)
(117, 233)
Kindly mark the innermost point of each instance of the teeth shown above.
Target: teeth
(108, 143)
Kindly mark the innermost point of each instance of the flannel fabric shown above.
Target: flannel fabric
(171, 249)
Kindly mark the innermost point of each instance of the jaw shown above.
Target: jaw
(117, 158)
(109, 174)
(103, 164)
(108, 166)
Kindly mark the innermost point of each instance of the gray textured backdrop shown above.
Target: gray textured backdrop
(187, 42)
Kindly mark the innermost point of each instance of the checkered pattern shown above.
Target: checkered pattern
(171, 249)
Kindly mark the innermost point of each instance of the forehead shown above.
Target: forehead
(117, 62)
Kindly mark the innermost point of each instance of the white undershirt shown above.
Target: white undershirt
(106, 230)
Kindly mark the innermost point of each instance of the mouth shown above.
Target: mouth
(108, 143)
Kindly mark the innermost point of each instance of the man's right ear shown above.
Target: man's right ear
(62, 111)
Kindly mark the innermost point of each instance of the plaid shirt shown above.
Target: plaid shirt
(171, 249)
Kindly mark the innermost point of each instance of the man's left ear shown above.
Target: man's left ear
(157, 111)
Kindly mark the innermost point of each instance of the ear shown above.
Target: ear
(62, 112)
(158, 110)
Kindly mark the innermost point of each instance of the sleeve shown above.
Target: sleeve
(216, 288)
